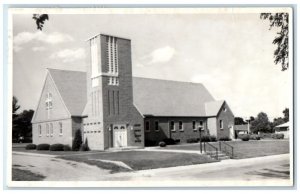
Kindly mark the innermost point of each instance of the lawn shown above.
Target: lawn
(141, 160)
(25, 175)
(246, 149)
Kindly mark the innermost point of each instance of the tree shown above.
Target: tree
(15, 106)
(22, 126)
(286, 115)
(239, 121)
(260, 123)
(40, 20)
(77, 141)
(281, 21)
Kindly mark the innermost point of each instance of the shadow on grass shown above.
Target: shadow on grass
(271, 173)
(25, 175)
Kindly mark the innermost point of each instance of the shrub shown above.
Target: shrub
(277, 135)
(30, 147)
(192, 140)
(57, 147)
(85, 146)
(77, 141)
(225, 138)
(205, 138)
(245, 137)
(213, 138)
(162, 144)
(150, 143)
(43, 146)
(254, 137)
(169, 141)
(67, 148)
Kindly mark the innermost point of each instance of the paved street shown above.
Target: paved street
(269, 170)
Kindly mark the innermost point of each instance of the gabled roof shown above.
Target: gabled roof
(170, 98)
(287, 124)
(72, 88)
(212, 108)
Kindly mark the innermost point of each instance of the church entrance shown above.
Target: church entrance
(120, 136)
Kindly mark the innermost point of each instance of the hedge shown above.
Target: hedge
(245, 137)
(30, 147)
(43, 146)
(277, 135)
(57, 147)
(254, 137)
(225, 138)
(162, 144)
(67, 148)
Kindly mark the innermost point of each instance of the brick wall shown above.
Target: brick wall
(164, 131)
(227, 117)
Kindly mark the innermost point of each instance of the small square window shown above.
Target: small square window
(180, 126)
(221, 124)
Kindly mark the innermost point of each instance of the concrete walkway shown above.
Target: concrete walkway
(55, 169)
(259, 171)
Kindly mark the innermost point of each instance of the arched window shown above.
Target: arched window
(40, 130)
(60, 128)
(51, 129)
(47, 129)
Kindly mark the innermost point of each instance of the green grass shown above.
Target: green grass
(142, 160)
(25, 175)
(246, 149)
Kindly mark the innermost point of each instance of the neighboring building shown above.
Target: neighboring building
(284, 129)
(114, 109)
(241, 129)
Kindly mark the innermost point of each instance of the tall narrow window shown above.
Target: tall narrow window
(47, 129)
(60, 128)
(156, 126)
(172, 126)
(51, 129)
(194, 125)
(221, 124)
(118, 102)
(147, 126)
(40, 130)
(48, 101)
(112, 60)
(108, 102)
(180, 126)
(201, 125)
(113, 101)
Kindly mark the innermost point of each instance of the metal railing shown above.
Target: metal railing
(211, 150)
(227, 148)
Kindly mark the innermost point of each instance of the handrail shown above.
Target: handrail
(231, 147)
(215, 148)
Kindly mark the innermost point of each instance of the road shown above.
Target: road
(269, 170)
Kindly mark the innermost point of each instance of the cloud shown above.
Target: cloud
(69, 55)
(39, 48)
(162, 55)
(51, 38)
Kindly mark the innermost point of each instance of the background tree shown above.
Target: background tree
(15, 106)
(40, 20)
(286, 115)
(239, 121)
(77, 141)
(260, 123)
(281, 21)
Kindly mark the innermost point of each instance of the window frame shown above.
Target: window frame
(40, 130)
(60, 128)
(47, 130)
(194, 125)
(180, 128)
(147, 130)
(221, 124)
(51, 129)
(174, 129)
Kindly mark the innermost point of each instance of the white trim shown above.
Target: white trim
(38, 105)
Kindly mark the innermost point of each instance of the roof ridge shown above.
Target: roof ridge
(64, 70)
(167, 80)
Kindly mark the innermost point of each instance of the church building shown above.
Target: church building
(113, 109)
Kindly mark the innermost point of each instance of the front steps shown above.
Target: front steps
(221, 155)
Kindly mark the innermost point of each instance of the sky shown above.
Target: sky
(231, 54)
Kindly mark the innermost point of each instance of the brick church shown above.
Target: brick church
(113, 109)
